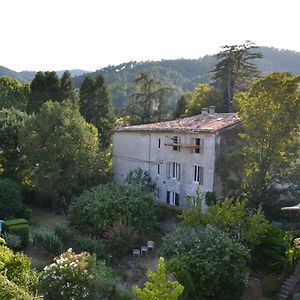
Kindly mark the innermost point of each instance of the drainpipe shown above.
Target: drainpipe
(149, 153)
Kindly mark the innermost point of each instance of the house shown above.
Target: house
(179, 154)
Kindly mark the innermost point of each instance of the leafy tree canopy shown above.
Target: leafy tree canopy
(270, 111)
(13, 94)
(62, 151)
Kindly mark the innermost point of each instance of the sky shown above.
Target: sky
(91, 34)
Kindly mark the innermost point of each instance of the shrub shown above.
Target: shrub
(11, 204)
(10, 290)
(20, 228)
(207, 262)
(77, 276)
(12, 241)
(48, 240)
(99, 208)
(141, 179)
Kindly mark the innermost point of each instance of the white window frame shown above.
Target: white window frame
(173, 170)
(198, 174)
(172, 198)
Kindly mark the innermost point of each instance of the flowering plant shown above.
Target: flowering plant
(76, 276)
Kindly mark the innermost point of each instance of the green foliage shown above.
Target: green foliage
(158, 286)
(207, 262)
(96, 107)
(239, 221)
(141, 179)
(275, 252)
(77, 276)
(270, 111)
(13, 241)
(9, 290)
(11, 204)
(15, 266)
(101, 207)
(20, 228)
(62, 151)
(234, 70)
(181, 105)
(13, 94)
(204, 96)
(148, 102)
(47, 240)
(11, 121)
(67, 90)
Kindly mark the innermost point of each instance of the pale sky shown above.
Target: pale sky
(91, 34)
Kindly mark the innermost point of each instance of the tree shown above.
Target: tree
(181, 105)
(270, 111)
(62, 151)
(148, 102)
(207, 262)
(102, 206)
(11, 122)
(45, 86)
(67, 90)
(204, 96)
(234, 70)
(141, 179)
(158, 286)
(96, 107)
(13, 94)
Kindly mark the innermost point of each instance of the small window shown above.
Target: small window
(172, 198)
(158, 143)
(197, 142)
(176, 140)
(173, 170)
(198, 174)
(158, 169)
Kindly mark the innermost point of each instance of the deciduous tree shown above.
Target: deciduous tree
(270, 111)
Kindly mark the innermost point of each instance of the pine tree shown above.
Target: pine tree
(234, 70)
(67, 90)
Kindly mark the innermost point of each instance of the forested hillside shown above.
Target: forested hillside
(181, 74)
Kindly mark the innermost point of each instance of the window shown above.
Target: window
(176, 140)
(172, 198)
(198, 145)
(198, 174)
(158, 143)
(158, 169)
(173, 170)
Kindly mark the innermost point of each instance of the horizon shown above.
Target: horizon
(65, 35)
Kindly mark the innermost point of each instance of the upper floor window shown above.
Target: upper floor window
(158, 143)
(176, 140)
(198, 174)
(158, 169)
(198, 148)
(173, 170)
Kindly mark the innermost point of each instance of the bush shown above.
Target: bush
(48, 240)
(98, 209)
(10, 290)
(12, 241)
(207, 262)
(11, 204)
(20, 228)
(140, 178)
(77, 276)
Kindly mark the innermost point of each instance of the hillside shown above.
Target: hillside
(182, 74)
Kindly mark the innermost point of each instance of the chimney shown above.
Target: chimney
(212, 110)
(204, 111)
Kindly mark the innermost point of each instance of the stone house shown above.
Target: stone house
(179, 154)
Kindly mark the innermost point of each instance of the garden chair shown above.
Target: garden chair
(150, 245)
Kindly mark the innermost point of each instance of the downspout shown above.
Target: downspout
(149, 153)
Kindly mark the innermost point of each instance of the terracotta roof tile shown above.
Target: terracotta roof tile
(198, 123)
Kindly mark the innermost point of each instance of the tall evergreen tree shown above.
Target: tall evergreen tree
(235, 70)
(96, 107)
(67, 90)
(45, 86)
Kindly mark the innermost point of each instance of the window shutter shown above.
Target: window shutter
(168, 170)
(168, 197)
(201, 146)
(176, 199)
(178, 171)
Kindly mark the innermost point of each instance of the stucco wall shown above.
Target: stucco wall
(135, 149)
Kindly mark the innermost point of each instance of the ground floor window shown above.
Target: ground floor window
(172, 198)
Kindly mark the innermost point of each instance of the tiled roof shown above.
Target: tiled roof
(199, 123)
